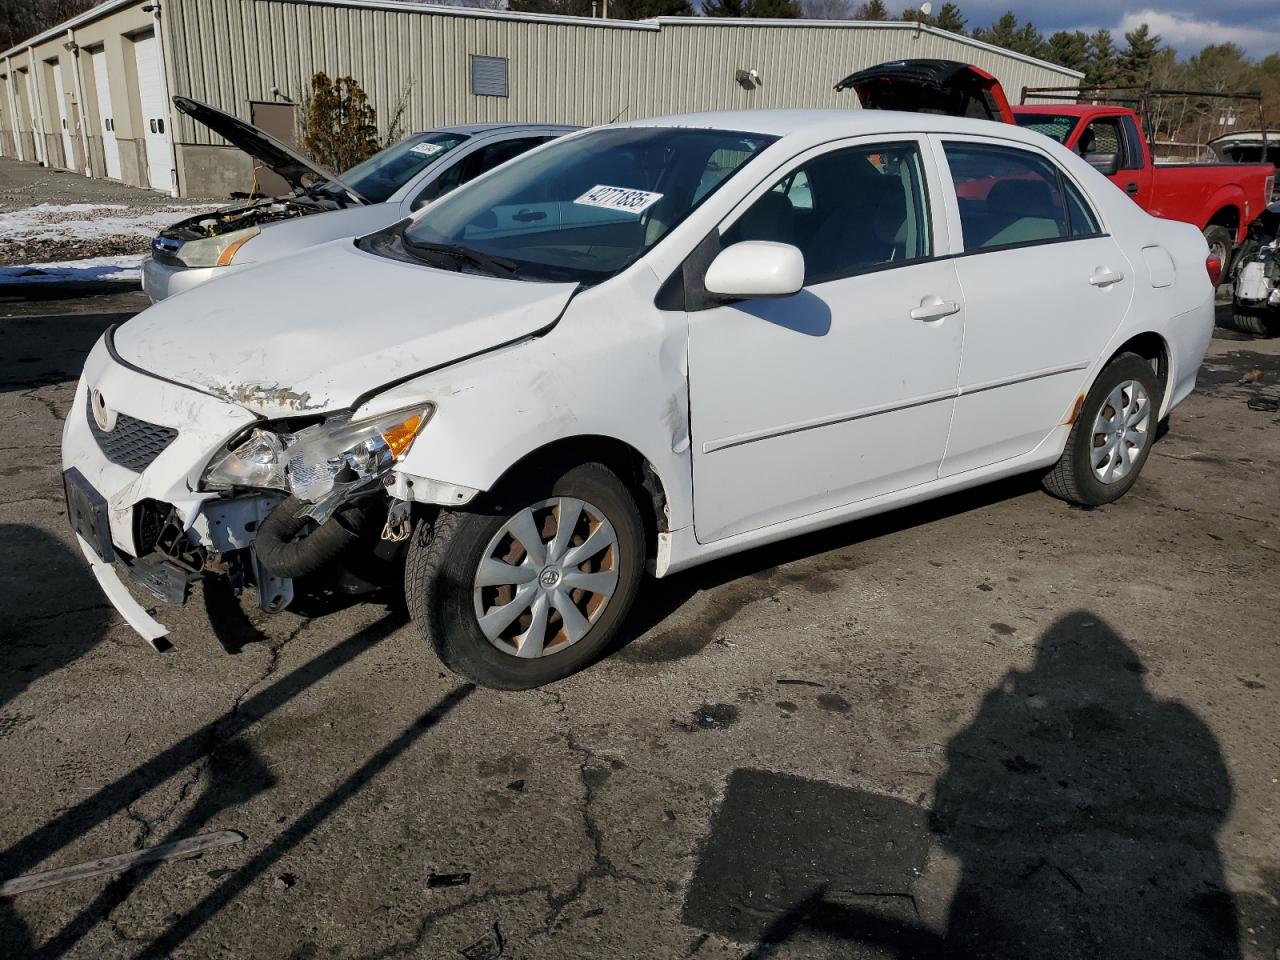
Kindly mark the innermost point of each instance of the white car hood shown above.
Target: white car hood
(313, 332)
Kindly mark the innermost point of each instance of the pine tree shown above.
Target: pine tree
(1006, 33)
(1135, 61)
(1070, 50)
(948, 18)
(646, 9)
(1101, 67)
(872, 10)
(782, 9)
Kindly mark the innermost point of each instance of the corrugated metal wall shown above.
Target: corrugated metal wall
(230, 52)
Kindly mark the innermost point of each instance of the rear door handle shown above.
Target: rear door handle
(1105, 277)
(934, 308)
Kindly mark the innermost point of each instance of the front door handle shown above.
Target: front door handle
(934, 307)
(1105, 277)
(1131, 189)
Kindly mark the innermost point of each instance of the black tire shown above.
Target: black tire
(1250, 321)
(444, 556)
(1072, 477)
(1221, 243)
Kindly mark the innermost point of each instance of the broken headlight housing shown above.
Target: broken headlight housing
(322, 465)
(216, 251)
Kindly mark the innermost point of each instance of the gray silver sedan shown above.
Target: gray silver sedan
(374, 194)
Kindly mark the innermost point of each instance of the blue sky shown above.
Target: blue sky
(1185, 24)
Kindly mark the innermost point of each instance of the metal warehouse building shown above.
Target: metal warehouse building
(92, 94)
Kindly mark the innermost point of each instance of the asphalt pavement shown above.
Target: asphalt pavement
(990, 726)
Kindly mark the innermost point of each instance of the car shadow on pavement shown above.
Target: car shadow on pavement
(37, 572)
(754, 573)
(235, 774)
(1082, 810)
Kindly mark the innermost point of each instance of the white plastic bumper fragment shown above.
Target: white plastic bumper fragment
(138, 618)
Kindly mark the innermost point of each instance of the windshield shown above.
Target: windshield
(584, 208)
(377, 178)
(1052, 125)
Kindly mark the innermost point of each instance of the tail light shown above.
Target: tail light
(1214, 266)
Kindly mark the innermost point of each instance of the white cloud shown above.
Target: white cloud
(1188, 34)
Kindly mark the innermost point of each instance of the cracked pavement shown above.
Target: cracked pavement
(991, 726)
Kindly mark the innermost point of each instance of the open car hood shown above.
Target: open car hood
(296, 170)
(931, 86)
(314, 332)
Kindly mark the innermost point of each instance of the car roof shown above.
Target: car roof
(819, 125)
(472, 129)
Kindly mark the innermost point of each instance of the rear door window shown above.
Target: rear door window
(1007, 197)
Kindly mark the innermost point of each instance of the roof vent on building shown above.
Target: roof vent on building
(488, 76)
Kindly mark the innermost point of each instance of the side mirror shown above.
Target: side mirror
(1105, 163)
(756, 268)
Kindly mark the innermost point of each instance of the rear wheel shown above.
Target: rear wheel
(1112, 435)
(1250, 321)
(534, 590)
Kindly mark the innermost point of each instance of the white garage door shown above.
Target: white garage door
(154, 123)
(60, 92)
(106, 118)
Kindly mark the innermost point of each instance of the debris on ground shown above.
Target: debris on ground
(285, 881)
(488, 947)
(1265, 404)
(177, 850)
(448, 880)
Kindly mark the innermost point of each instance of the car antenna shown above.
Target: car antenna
(619, 114)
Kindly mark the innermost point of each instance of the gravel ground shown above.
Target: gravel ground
(76, 218)
(992, 726)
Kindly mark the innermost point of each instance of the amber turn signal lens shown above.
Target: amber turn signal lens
(399, 437)
(227, 255)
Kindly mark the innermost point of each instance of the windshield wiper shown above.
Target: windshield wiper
(486, 261)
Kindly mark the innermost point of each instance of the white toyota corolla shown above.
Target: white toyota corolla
(642, 346)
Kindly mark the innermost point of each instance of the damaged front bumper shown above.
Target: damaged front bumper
(133, 448)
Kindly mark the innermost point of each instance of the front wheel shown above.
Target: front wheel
(534, 590)
(1112, 435)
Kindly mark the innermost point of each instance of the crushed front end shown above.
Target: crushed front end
(166, 484)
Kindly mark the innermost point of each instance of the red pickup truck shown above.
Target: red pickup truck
(1219, 198)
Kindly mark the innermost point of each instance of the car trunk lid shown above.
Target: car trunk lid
(930, 86)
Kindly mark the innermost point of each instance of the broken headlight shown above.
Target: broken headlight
(216, 251)
(321, 464)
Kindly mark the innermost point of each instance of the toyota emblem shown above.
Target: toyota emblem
(103, 415)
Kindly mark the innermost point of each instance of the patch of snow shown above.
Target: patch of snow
(95, 269)
(90, 221)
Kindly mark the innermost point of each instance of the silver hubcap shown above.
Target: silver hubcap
(1120, 432)
(546, 577)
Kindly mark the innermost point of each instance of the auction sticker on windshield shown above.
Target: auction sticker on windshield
(622, 199)
(426, 149)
